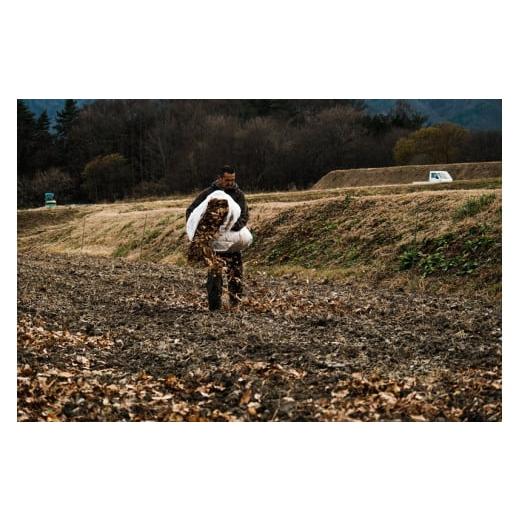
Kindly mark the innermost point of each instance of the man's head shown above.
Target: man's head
(226, 177)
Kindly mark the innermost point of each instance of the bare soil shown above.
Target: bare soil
(104, 339)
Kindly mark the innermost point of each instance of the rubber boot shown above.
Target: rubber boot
(214, 287)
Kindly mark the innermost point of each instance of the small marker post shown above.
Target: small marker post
(83, 234)
(142, 238)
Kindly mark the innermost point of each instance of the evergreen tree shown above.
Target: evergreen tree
(26, 130)
(26, 123)
(44, 144)
(65, 119)
(43, 124)
(404, 116)
(68, 144)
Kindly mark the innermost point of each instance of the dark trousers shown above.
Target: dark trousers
(231, 265)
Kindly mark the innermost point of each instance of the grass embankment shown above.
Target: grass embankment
(433, 241)
(442, 238)
(407, 174)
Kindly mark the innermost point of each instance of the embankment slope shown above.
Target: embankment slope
(433, 240)
(407, 174)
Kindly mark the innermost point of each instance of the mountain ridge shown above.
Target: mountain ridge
(474, 114)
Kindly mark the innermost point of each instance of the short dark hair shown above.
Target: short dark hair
(226, 169)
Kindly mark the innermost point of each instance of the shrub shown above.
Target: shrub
(31, 191)
(451, 254)
(107, 177)
(435, 144)
(409, 258)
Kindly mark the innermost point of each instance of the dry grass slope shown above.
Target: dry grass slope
(407, 174)
(440, 238)
(436, 241)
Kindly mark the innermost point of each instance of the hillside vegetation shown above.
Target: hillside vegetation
(407, 174)
(440, 240)
(113, 150)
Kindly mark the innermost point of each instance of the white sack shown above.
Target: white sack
(226, 240)
(195, 216)
(232, 241)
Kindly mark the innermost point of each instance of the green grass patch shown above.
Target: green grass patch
(164, 221)
(473, 206)
(123, 249)
(151, 235)
(450, 253)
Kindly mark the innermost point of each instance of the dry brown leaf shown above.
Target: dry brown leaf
(246, 396)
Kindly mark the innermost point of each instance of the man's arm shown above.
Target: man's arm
(244, 213)
(200, 197)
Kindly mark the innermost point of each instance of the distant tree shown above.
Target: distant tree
(26, 135)
(484, 146)
(327, 142)
(214, 144)
(107, 177)
(43, 124)
(403, 115)
(65, 119)
(26, 122)
(377, 124)
(257, 145)
(442, 143)
(293, 111)
(67, 147)
(161, 146)
(54, 180)
(44, 144)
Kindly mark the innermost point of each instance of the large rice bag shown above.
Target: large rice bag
(226, 241)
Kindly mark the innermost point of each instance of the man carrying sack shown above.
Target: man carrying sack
(216, 222)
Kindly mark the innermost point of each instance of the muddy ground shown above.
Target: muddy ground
(108, 340)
